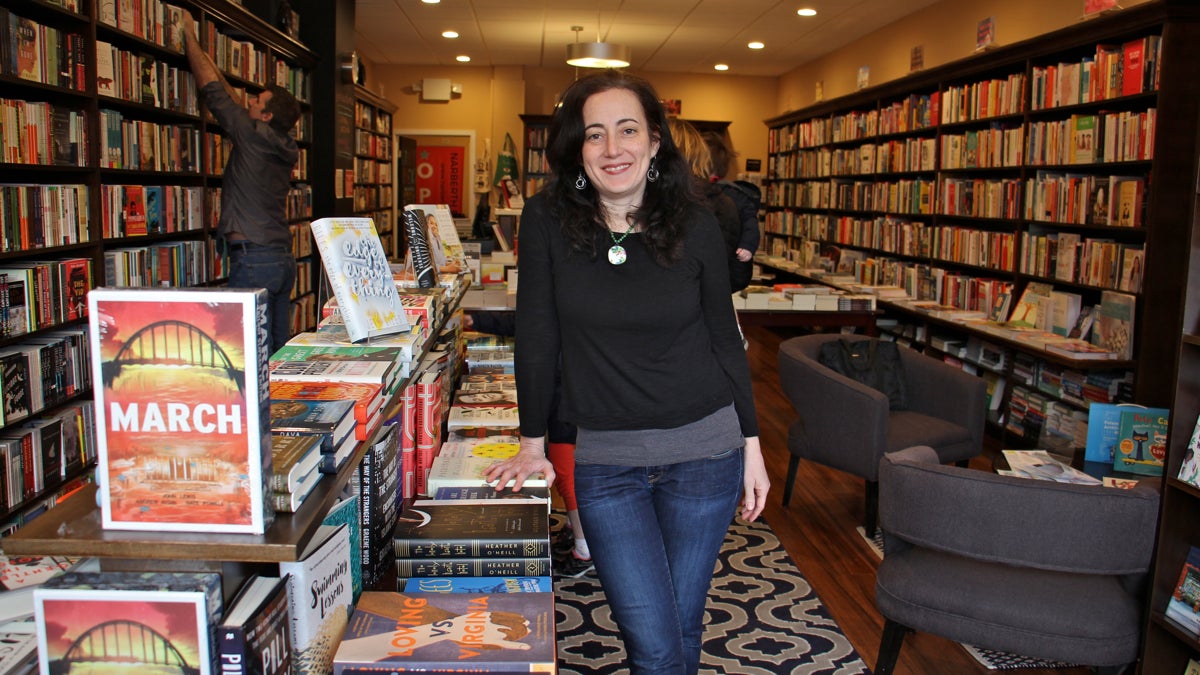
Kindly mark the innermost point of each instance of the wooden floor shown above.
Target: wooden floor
(818, 531)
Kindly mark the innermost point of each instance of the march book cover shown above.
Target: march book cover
(182, 409)
(358, 271)
(392, 632)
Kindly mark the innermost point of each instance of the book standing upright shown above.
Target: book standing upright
(182, 409)
(358, 271)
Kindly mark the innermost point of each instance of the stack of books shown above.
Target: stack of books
(367, 400)
(502, 538)
(295, 471)
(484, 399)
(331, 421)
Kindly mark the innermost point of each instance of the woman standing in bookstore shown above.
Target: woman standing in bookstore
(624, 276)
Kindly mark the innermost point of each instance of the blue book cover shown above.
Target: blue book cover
(154, 209)
(477, 585)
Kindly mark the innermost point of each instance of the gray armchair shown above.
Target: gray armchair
(847, 426)
(1036, 568)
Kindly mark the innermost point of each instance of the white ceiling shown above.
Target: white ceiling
(685, 36)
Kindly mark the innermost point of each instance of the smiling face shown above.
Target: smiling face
(617, 145)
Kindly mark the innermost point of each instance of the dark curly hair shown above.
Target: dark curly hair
(578, 211)
(284, 108)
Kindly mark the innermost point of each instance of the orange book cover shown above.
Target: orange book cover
(367, 397)
(182, 409)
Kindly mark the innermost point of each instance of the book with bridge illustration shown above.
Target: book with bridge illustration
(182, 409)
(146, 622)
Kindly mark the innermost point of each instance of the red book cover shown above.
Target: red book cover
(408, 443)
(75, 280)
(367, 397)
(1133, 67)
(429, 424)
(182, 409)
(135, 210)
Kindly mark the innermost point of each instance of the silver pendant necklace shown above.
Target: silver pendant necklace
(616, 254)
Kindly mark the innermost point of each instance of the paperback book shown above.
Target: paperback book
(357, 267)
(449, 632)
(94, 608)
(375, 372)
(293, 459)
(1114, 323)
(332, 420)
(254, 638)
(182, 409)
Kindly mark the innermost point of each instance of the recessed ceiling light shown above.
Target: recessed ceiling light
(756, 45)
(806, 11)
(431, 2)
(450, 34)
(721, 66)
(462, 58)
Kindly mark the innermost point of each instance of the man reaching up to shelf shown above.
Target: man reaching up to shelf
(253, 227)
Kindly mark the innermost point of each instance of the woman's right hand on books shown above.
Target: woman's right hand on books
(529, 461)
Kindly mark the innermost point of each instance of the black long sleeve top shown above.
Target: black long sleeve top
(643, 346)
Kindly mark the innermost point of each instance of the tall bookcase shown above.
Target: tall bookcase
(953, 178)
(374, 173)
(112, 176)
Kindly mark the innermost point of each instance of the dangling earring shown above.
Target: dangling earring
(581, 181)
(652, 172)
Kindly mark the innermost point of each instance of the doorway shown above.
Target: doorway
(444, 168)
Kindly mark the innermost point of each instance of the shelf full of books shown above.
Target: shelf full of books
(103, 181)
(374, 190)
(1043, 186)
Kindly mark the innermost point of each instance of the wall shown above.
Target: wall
(493, 98)
(947, 32)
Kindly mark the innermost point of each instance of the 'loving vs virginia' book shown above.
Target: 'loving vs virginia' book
(182, 403)
(358, 271)
(449, 632)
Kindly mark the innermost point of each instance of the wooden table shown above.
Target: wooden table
(861, 319)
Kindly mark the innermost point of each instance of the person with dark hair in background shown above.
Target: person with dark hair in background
(254, 187)
(746, 196)
(624, 278)
(572, 557)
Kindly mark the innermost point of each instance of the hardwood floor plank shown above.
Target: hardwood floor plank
(817, 529)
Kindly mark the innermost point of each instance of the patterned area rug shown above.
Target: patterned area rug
(992, 660)
(763, 618)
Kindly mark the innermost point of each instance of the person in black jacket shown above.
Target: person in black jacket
(695, 150)
(747, 197)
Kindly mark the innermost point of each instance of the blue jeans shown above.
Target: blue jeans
(253, 266)
(654, 533)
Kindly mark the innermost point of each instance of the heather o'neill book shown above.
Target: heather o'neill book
(504, 529)
(449, 632)
(358, 271)
(162, 620)
(182, 403)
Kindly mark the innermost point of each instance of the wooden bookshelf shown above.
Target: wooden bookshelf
(374, 172)
(820, 184)
(137, 135)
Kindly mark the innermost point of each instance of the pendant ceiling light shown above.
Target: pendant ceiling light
(596, 54)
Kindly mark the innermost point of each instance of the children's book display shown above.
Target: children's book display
(357, 267)
(182, 409)
(1142, 441)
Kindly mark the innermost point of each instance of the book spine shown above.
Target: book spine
(232, 653)
(475, 567)
(470, 548)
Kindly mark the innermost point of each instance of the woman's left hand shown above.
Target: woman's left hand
(529, 461)
(755, 481)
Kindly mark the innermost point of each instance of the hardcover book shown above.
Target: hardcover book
(445, 246)
(254, 638)
(357, 267)
(297, 352)
(505, 528)
(319, 598)
(182, 414)
(1184, 606)
(1142, 441)
(376, 372)
(477, 585)
(449, 632)
(334, 334)
(461, 463)
(482, 416)
(418, 250)
(346, 512)
(289, 502)
(86, 614)
(293, 459)
(332, 420)
(1113, 329)
(366, 398)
